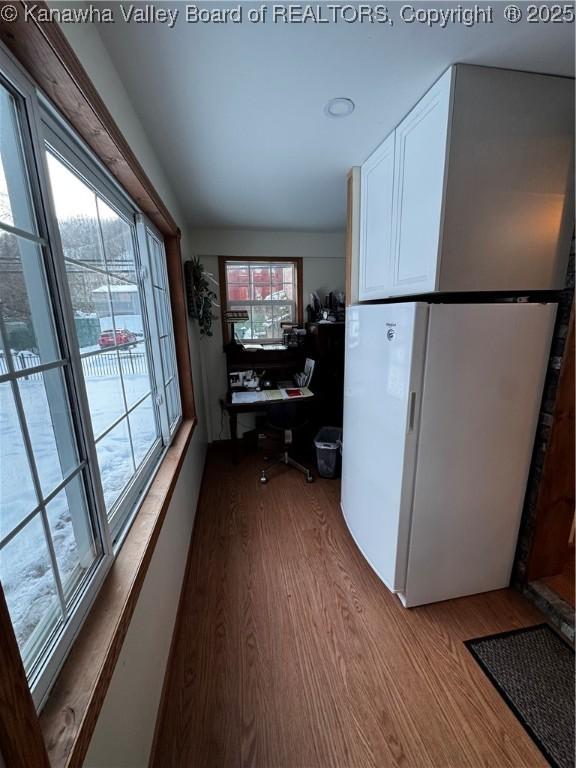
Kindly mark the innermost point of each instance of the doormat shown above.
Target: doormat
(533, 670)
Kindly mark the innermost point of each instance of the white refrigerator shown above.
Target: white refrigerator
(440, 409)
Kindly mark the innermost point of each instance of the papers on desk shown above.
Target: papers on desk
(304, 379)
(265, 347)
(247, 397)
(270, 395)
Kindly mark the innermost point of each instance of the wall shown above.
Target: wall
(125, 729)
(323, 270)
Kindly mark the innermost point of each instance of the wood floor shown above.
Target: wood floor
(290, 652)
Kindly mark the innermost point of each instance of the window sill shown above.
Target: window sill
(73, 706)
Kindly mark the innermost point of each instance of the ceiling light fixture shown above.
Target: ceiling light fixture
(339, 107)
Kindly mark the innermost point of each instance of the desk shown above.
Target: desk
(233, 409)
(279, 364)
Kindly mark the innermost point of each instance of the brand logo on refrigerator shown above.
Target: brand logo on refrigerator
(390, 333)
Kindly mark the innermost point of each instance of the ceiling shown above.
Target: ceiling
(235, 112)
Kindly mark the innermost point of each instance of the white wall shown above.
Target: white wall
(323, 270)
(125, 729)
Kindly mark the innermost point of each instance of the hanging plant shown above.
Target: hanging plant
(201, 298)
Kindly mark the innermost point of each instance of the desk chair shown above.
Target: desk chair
(286, 418)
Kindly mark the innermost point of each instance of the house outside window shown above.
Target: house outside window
(269, 290)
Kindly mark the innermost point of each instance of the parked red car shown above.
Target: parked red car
(113, 338)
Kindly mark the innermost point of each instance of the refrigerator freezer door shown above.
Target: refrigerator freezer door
(382, 385)
(483, 381)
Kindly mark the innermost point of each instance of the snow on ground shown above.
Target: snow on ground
(25, 567)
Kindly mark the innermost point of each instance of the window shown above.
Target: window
(89, 396)
(163, 332)
(268, 289)
(102, 275)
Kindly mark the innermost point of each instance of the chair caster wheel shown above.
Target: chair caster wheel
(263, 479)
(309, 479)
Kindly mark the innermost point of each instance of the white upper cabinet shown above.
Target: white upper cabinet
(473, 191)
(420, 161)
(376, 226)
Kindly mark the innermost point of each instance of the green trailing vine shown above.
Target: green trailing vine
(201, 297)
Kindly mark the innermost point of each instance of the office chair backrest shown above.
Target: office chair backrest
(287, 415)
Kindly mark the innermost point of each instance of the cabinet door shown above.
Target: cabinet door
(420, 164)
(376, 235)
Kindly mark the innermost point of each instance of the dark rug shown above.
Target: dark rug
(533, 669)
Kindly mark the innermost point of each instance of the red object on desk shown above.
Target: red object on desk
(294, 393)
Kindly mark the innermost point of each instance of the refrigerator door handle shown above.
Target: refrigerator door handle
(412, 412)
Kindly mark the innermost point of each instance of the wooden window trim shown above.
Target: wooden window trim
(61, 735)
(296, 260)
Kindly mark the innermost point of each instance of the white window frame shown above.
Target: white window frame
(38, 115)
(156, 276)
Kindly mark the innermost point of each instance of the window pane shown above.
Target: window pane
(90, 298)
(15, 204)
(283, 313)
(243, 329)
(143, 429)
(237, 274)
(167, 360)
(260, 275)
(45, 404)
(72, 534)
(17, 495)
(107, 301)
(169, 392)
(117, 239)
(158, 262)
(238, 292)
(135, 375)
(260, 331)
(173, 400)
(104, 388)
(127, 310)
(29, 587)
(160, 299)
(277, 277)
(262, 316)
(77, 215)
(261, 292)
(24, 303)
(115, 462)
(168, 409)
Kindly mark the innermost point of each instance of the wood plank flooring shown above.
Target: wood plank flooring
(290, 653)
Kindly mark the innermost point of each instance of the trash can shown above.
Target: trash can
(328, 454)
